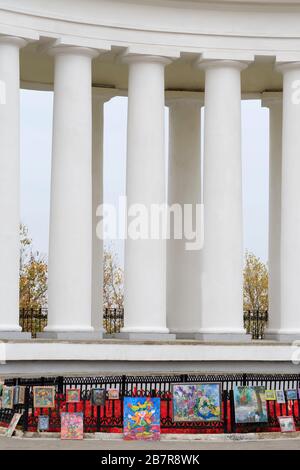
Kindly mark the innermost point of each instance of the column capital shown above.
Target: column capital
(271, 98)
(14, 41)
(205, 64)
(132, 58)
(283, 67)
(76, 50)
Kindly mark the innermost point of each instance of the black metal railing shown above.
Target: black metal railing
(109, 417)
(35, 320)
(255, 322)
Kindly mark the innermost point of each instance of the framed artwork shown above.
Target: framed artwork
(21, 397)
(98, 396)
(13, 424)
(287, 423)
(71, 425)
(291, 394)
(250, 404)
(270, 395)
(73, 395)
(141, 418)
(8, 397)
(43, 423)
(113, 394)
(280, 397)
(196, 402)
(44, 397)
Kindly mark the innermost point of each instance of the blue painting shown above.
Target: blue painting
(43, 423)
(197, 402)
(141, 418)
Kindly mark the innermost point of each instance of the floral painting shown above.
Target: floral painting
(71, 426)
(73, 395)
(43, 397)
(141, 418)
(196, 402)
(8, 397)
(250, 404)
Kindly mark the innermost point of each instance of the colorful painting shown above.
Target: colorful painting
(43, 423)
(71, 425)
(250, 405)
(270, 395)
(196, 402)
(13, 424)
(73, 395)
(8, 397)
(44, 397)
(291, 394)
(280, 397)
(287, 423)
(141, 418)
(98, 396)
(113, 394)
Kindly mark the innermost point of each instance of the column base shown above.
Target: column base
(10, 335)
(282, 337)
(218, 337)
(140, 336)
(71, 335)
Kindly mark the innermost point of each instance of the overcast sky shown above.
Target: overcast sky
(36, 136)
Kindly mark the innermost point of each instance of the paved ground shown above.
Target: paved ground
(92, 444)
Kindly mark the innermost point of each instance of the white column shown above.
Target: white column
(97, 184)
(145, 263)
(222, 267)
(274, 103)
(70, 243)
(184, 187)
(290, 204)
(9, 184)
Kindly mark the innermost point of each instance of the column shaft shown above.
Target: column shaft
(184, 187)
(70, 243)
(9, 184)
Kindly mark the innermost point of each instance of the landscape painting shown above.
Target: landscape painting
(197, 402)
(71, 425)
(141, 418)
(250, 404)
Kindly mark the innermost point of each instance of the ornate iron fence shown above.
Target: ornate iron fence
(109, 417)
(34, 321)
(255, 322)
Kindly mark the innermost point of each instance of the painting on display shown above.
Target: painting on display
(197, 402)
(43, 423)
(13, 424)
(21, 395)
(98, 396)
(141, 418)
(113, 394)
(270, 395)
(280, 397)
(44, 397)
(291, 394)
(250, 404)
(287, 423)
(73, 395)
(8, 397)
(71, 425)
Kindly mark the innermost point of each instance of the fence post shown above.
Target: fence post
(225, 405)
(60, 384)
(26, 408)
(244, 379)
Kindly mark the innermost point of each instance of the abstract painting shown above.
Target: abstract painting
(291, 394)
(71, 426)
(250, 405)
(141, 418)
(44, 397)
(113, 394)
(197, 402)
(98, 396)
(280, 397)
(13, 424)
(43, 423)
(73, 395)
(270, 395)
(286, 423)
(8, 397)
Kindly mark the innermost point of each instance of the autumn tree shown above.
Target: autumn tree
(255, 283)
(33, 274)
(113, 281)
